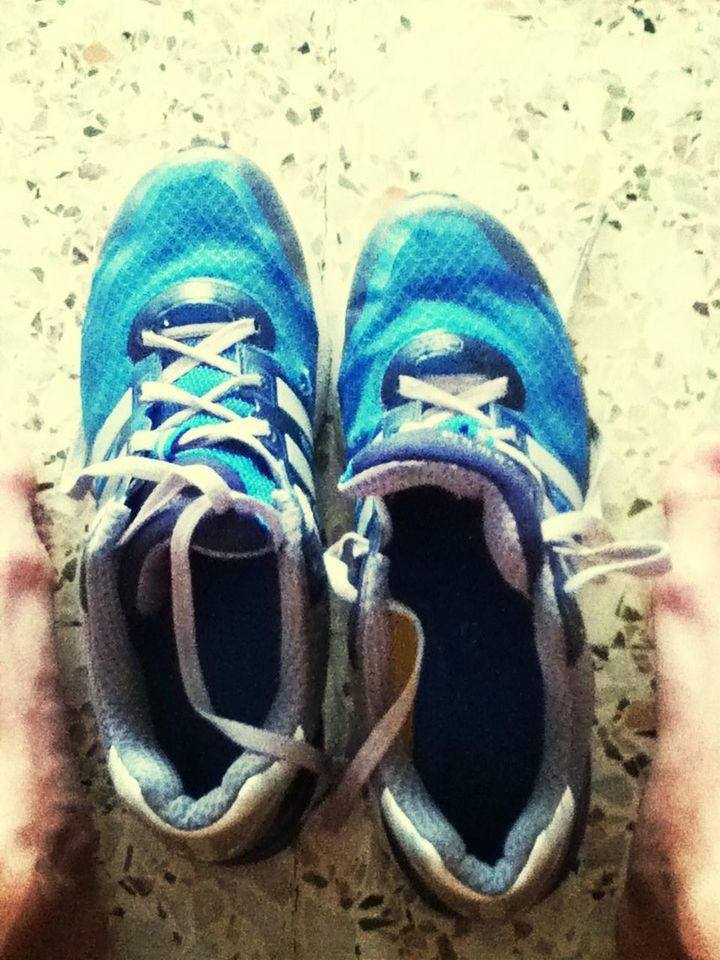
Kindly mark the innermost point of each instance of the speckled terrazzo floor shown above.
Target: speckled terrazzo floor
(556, 116)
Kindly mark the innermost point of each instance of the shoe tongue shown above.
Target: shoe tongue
(242, 469)
(510, 500)
(145, 562)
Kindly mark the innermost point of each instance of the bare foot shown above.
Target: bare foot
(49, 906)
(670, 909)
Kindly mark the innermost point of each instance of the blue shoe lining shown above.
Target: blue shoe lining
(237, 608)
(479, 708)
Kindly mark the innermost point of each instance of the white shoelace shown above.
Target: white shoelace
(213, 495)
(468, 402)
(584, 535)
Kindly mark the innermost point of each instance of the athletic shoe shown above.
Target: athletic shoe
(203, 582)
(468, 447)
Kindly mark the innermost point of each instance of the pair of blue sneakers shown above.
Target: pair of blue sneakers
(204, 377)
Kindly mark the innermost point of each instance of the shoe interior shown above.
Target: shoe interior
(478, 721)
(238, 623)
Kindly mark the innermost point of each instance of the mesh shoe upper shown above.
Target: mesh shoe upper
(206, 213)
(447, 267)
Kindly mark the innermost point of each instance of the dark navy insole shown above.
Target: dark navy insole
(238, 623)
(479, 708)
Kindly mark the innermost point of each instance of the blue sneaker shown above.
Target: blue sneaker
(468, 452)
(202, 377)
